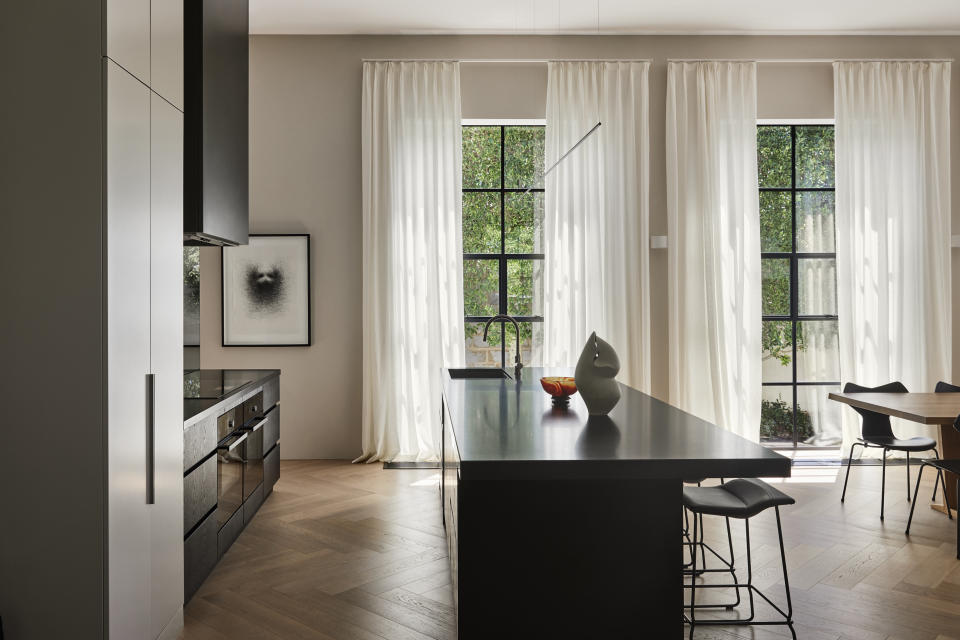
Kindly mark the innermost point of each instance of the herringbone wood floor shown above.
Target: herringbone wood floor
(354, 552)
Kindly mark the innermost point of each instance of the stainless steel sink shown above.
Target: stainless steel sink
(479, 373)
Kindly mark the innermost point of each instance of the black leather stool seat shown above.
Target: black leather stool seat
(738, 498)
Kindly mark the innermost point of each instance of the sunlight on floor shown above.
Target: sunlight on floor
(429, 481)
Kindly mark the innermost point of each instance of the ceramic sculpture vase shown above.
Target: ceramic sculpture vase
(596, 369)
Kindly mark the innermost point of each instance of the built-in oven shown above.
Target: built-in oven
(228, 422)
(253, 457)
(231, 458)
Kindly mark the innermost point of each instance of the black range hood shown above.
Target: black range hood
(215, 162)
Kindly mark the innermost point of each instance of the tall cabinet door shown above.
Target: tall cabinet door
(166, 360)
(166, 50)
(127, 167)
(128, 36)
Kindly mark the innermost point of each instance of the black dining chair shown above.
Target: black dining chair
(876, 432)
(953, 466)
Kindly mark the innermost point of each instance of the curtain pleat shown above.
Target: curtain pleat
(412, 254)
(714, 243)
(893, 227)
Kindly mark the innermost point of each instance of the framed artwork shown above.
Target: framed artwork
(266, 292)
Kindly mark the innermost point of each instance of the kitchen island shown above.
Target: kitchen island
(560, 525)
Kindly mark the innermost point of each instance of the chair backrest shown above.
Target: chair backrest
(946, 387)
(876, 425)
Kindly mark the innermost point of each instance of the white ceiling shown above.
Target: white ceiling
(605, 16)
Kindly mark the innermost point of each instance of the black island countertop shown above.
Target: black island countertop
(203, 389)
(504, 428)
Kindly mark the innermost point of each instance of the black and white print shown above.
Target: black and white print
(266, 292)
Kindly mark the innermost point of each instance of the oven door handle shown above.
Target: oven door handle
(253, 428)
(233, 445)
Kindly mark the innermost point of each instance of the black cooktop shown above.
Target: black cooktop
(214, 383)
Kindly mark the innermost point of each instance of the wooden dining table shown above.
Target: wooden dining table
(934, 409)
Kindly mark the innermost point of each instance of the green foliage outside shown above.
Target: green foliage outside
(523, 156)
(776, 421)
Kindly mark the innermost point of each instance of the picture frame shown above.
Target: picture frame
(265, 292)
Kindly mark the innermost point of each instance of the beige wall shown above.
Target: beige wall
(305, 175)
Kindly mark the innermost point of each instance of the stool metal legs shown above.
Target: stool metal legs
(748, 585)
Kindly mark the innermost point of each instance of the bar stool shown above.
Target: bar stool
(741, 499)
(703, 547)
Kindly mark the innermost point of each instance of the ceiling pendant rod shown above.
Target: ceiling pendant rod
(554, 165)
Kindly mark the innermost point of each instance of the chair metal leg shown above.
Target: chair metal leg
(786, 580)
(914, 503)
(746, 525)
(733, 573)
(847, 478)
(946, 501)
(693, 580)
(883, 482)
(908, 476)
(934, 498)
(703, 549)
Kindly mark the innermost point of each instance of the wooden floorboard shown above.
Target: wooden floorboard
(355, 552)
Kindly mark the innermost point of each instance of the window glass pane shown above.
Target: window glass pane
(480, 353)
(524, 287)
(815, 222)
(814, 156)
(487, 353)
(818, 351)
(773, 156)
(777, 340)
(775, 220)
(775, 274)
(818, 418)
(523, 222)
(531, 344)
(481, 157)
(523, 157)
(481, 290)
(481, 222)
(817, 280)
(776, 414)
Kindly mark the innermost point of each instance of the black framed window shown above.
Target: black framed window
(799, 304)
(502, 240)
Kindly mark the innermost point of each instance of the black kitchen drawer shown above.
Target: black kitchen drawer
(252, 503)
(229, 532)
(199, 439)
(199, 556)
(271, 393)
(199, 493)
(271, 429)
(271, 470)
(253, 408)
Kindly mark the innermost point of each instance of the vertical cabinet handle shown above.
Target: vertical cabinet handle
(151, 438)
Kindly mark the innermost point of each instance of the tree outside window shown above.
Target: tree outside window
(502, 240)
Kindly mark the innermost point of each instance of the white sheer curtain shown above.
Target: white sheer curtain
(596, 221)
(412, 253)
(714, 242)
(893, 226)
